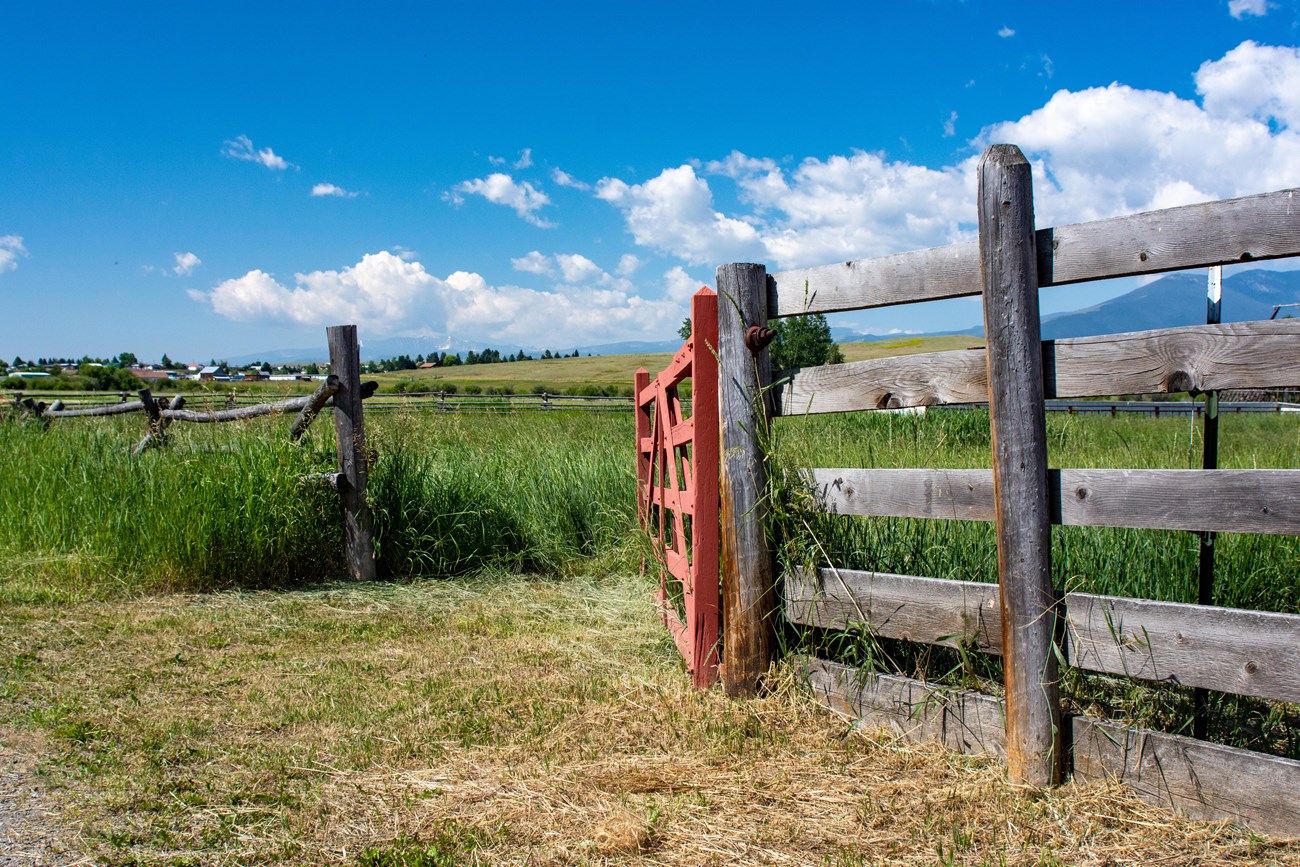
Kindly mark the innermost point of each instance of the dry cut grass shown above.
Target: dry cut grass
(500, 720)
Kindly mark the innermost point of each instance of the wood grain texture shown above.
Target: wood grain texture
(315, 403)
(1199, 779)
(968, 722)
(956, 495)
(1229, 501)
(929, 379)
(1246, 229)
(92, 411)
(353, 456)
(928, 610)
(924, 275)
(748, 591)
(1238, 355)
(1253, 653)
(1008, 268)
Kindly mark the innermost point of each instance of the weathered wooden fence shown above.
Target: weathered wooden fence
(342, 390)
(677, 488)
(1024, 618)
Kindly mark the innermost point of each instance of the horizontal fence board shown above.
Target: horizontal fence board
(923, 275)
(1231, 501)
(1234, 355)
(928, 379)
(1254, 653)
(929, 610)
(1246, 229)
(1226, 232)
(964, 721)
(1237, 355)
(1199, 779)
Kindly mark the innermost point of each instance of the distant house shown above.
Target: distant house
(428, 365)
(154, 375)
(213, 371)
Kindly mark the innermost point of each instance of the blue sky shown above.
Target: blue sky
(220, 179)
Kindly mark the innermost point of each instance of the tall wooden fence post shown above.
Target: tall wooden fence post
(640, 383)
(350, 430)
(748, 591)
(1009, 270)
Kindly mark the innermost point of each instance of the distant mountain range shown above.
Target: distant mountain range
(1177, 299)
(1171, 301)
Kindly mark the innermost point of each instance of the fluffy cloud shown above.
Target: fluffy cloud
(186, 263)
(502, 189)
(11, 247)
(1241, 8)
(564, 179)
(680, 286)
(385, 294)
(534, 263)
(1096, 153)
(674, 212)
(1006, 33)
(628, 264)
(332, 190)
(1113, 150)
(241, 148)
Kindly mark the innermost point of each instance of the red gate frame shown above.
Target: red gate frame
(662, 437)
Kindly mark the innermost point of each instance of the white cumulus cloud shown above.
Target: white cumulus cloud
(1241, 8)
(1096, 153)
(11, 247)
(501, 189)
(674, 212)
(534, 263)
(385, 294)
(327, 189)
(564, 179)
(241, 148)
(1006, 33)
(186, 263)
(525, 159)
(680, 286)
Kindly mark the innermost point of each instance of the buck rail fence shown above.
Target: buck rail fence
(342, 391)
(1023, 618)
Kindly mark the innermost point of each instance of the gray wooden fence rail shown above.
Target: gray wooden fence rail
(1022, 618)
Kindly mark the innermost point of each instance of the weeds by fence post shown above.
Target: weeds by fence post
(350, 431)
(748, 592)
(1009, 272)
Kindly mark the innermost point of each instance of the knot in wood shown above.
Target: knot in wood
(758, 337)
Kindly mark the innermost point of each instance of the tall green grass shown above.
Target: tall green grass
(1252, 571)
(223, 505)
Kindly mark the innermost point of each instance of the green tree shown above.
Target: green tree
(167, 363)
(804, 341)
(685, 331)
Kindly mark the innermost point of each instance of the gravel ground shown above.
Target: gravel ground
(28, 834)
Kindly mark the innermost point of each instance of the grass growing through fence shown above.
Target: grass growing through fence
(1252, 571)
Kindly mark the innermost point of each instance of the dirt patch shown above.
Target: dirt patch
(30, 829)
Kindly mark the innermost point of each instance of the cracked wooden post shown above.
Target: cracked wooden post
(748, 587)
(350, 432)
(1009, 270)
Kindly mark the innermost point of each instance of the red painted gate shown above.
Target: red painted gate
(677, 488)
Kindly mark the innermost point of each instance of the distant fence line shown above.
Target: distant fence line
(454, 401)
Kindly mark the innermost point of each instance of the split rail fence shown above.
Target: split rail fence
(342, 391)
(1024, 618)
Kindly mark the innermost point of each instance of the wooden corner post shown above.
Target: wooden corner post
(1009, 270)
(744, 375)
(350, 430)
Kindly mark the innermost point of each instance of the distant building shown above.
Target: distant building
(213, 371)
